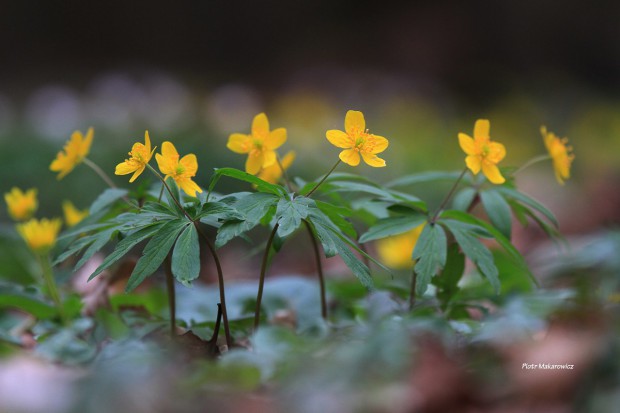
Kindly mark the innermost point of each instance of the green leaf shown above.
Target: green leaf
(430, 252)
(501, 240)
(172, 195)
(531, 202)
(158, 210)
(463, 199)
(498, 211)
(335, 215)
(155, 252)
(261, 185)
(447, 281)
(186, 256)
(254, 207)
(219, 210)
(106, 198)
(125, 245)
(102, 238)
(333, 244)
(475, 250)
(392, 226)
(16, 297)
(430, 176)
(290, 213)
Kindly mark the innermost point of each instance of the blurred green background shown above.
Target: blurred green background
(420, 71)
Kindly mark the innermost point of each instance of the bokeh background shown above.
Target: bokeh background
(421, 72)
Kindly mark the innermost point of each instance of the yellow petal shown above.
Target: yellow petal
(87, 142)
(260, 126)
(491, 171)
(189, 187)
(376, 144)
(190, 163)
(124, 168)
(269, 158)
(254, 162)
(473, 163)
(239, 143)
(354, 122)
(275, 139)
(467, 144)
(481, 130)
(164, 165)
(497, 152)
(288, 159)
(168, 151)
(350, 157)
(373, 160)
(147, 142)
(137, 173)
(339, 139)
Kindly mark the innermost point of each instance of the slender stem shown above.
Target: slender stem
(107, 180)
(324, 178)
(414, 278)
(319, 269)
(530, 163)
(161, 193)
(50, 283)
(220, 278)
(99, 172)
(176, 201)
(261, 280)
(447, 198)
(171, 296)
(216, 259)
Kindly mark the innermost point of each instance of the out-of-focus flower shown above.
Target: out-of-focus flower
(260, 145)
(73, 215)
(40, 235)
(140, 156)
(357, 141)
(560, 152)
(273, 173)
(395, 251)
(181, 170)
(482, 153)
(75, 150)
(21, 205)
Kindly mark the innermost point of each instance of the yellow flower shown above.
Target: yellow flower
(40, 235)
(181, 170)
(72, 215)
(21, 205)
(357, 141)
(260, 145)
(482, 153)
(395, 251)
(75, 150)
(561, 154)
(273, 173)
(140, 156)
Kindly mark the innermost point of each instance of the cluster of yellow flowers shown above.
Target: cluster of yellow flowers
(39, 235)
(260, 145)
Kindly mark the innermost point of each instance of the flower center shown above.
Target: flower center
(179, 170)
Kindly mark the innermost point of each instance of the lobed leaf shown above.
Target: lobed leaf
(474, 250)
(430, 253)
(289, 214)
(125, 245)
(106, 198)
(186, 256)
(392, 226)
(498, 211)
(156, 251)
(262, 186)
